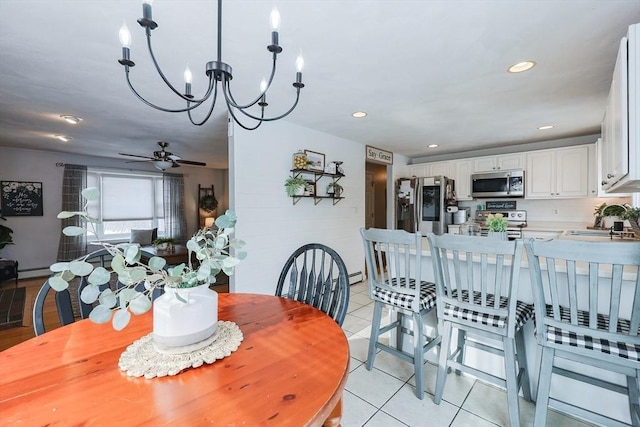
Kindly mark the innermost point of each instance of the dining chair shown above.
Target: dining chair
(400, 288)
(316, 275)
(587, 298)
(477, 280)
(69, 311)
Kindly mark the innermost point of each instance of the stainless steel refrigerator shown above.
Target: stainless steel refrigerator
(421, 204)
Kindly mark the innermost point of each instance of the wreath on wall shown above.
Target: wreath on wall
(208, 203)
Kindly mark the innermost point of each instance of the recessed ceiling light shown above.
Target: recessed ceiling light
(359, 114)
(432, 146)
(63, 138)
(545, 127)
(521, 66)
(71, 119)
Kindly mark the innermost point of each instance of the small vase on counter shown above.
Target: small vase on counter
(502, 235)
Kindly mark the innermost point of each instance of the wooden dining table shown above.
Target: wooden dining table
(290, 370)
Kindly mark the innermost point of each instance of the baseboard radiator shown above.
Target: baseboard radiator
(355, 277)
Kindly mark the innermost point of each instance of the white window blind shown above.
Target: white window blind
(127, 198)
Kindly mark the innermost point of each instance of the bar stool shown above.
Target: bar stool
(476, 282)
(590, 316)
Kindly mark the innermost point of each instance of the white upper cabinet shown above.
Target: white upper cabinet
(502, 162)
(559, 173)
(461, 173)
(620, 159)
(439, 168)
(418, 170)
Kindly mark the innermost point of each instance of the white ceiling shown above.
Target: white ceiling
(427, 72)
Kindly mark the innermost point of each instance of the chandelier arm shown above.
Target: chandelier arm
(166, 110)
(166, 81)
(213, 104)
(243, 126)
(271, 119)
(251, 104)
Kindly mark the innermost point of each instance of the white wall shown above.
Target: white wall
(36, 238)
(268, 221)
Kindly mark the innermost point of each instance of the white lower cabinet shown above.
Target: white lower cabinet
(559, 173)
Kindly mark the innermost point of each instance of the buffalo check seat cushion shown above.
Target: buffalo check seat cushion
(524, 311)
(564, 337)
(398, 299)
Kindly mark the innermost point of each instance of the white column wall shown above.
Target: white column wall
(268, 221)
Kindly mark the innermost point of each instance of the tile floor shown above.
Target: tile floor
(385, 396)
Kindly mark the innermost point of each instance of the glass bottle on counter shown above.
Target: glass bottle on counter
(470, 228)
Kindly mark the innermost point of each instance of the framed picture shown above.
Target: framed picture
(19, 198)
(315, 161)
(309, 188)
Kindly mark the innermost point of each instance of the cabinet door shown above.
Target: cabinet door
(572, 172)
(540, 175)
(438, 168)
(618, 127)
(462, 177)
(484, 164)
(418, 170)
(510, 161)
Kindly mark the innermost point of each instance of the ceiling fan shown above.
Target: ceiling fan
(163, 159)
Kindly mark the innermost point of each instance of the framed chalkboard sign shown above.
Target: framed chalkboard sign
(19, 198)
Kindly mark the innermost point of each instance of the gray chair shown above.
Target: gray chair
(477, 279)
(399, 287)
(316, 275)
(590, 316)
(66, 312)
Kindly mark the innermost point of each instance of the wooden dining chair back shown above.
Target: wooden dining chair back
(477, 280)
(394, 261)
(587, 297)
(315, 274)
(70, 307)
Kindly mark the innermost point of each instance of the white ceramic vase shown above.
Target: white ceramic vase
(177, 323)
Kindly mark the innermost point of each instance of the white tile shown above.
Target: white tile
(381, 419)
(412, 411)
(555, 418)
(393, 365)
(355, 411)
(456, 388)
(490, 403)
(467, 419)
(359, 288)
(353, 306)
(354, 364)
(364, 312)
(362, 299)
(373, 386)
(354, 324)
(358, 347)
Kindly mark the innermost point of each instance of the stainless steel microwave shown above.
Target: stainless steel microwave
(507, 183)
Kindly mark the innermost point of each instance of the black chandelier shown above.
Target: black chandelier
(216, 71)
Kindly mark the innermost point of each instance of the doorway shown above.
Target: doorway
(375, 195)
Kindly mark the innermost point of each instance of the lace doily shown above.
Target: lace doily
(144, 358)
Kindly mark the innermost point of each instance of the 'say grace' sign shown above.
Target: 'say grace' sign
(20, 198)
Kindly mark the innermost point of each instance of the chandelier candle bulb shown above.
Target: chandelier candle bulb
(146, 10)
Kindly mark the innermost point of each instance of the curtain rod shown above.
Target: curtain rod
(61, 164)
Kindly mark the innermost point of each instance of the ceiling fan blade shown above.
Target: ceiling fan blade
(135, 155)
(190, 162)
(173, 157)
(139, 161)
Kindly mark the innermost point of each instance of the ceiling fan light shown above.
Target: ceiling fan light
(163, 165)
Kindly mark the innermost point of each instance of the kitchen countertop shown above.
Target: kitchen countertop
(555, 226)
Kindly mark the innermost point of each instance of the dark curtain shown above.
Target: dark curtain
(174, 216)
(73, 182)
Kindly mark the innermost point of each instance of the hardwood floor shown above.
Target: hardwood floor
(13, 336)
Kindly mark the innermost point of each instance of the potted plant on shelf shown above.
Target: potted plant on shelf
(187, 310)
(164, 243)
(295, 186)
(334, 189)
(632, 214)
(497, 226)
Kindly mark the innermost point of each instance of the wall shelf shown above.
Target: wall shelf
(317, 176)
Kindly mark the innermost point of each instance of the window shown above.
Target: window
(127, 201)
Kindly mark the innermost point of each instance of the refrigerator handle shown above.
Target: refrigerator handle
(417, 203)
